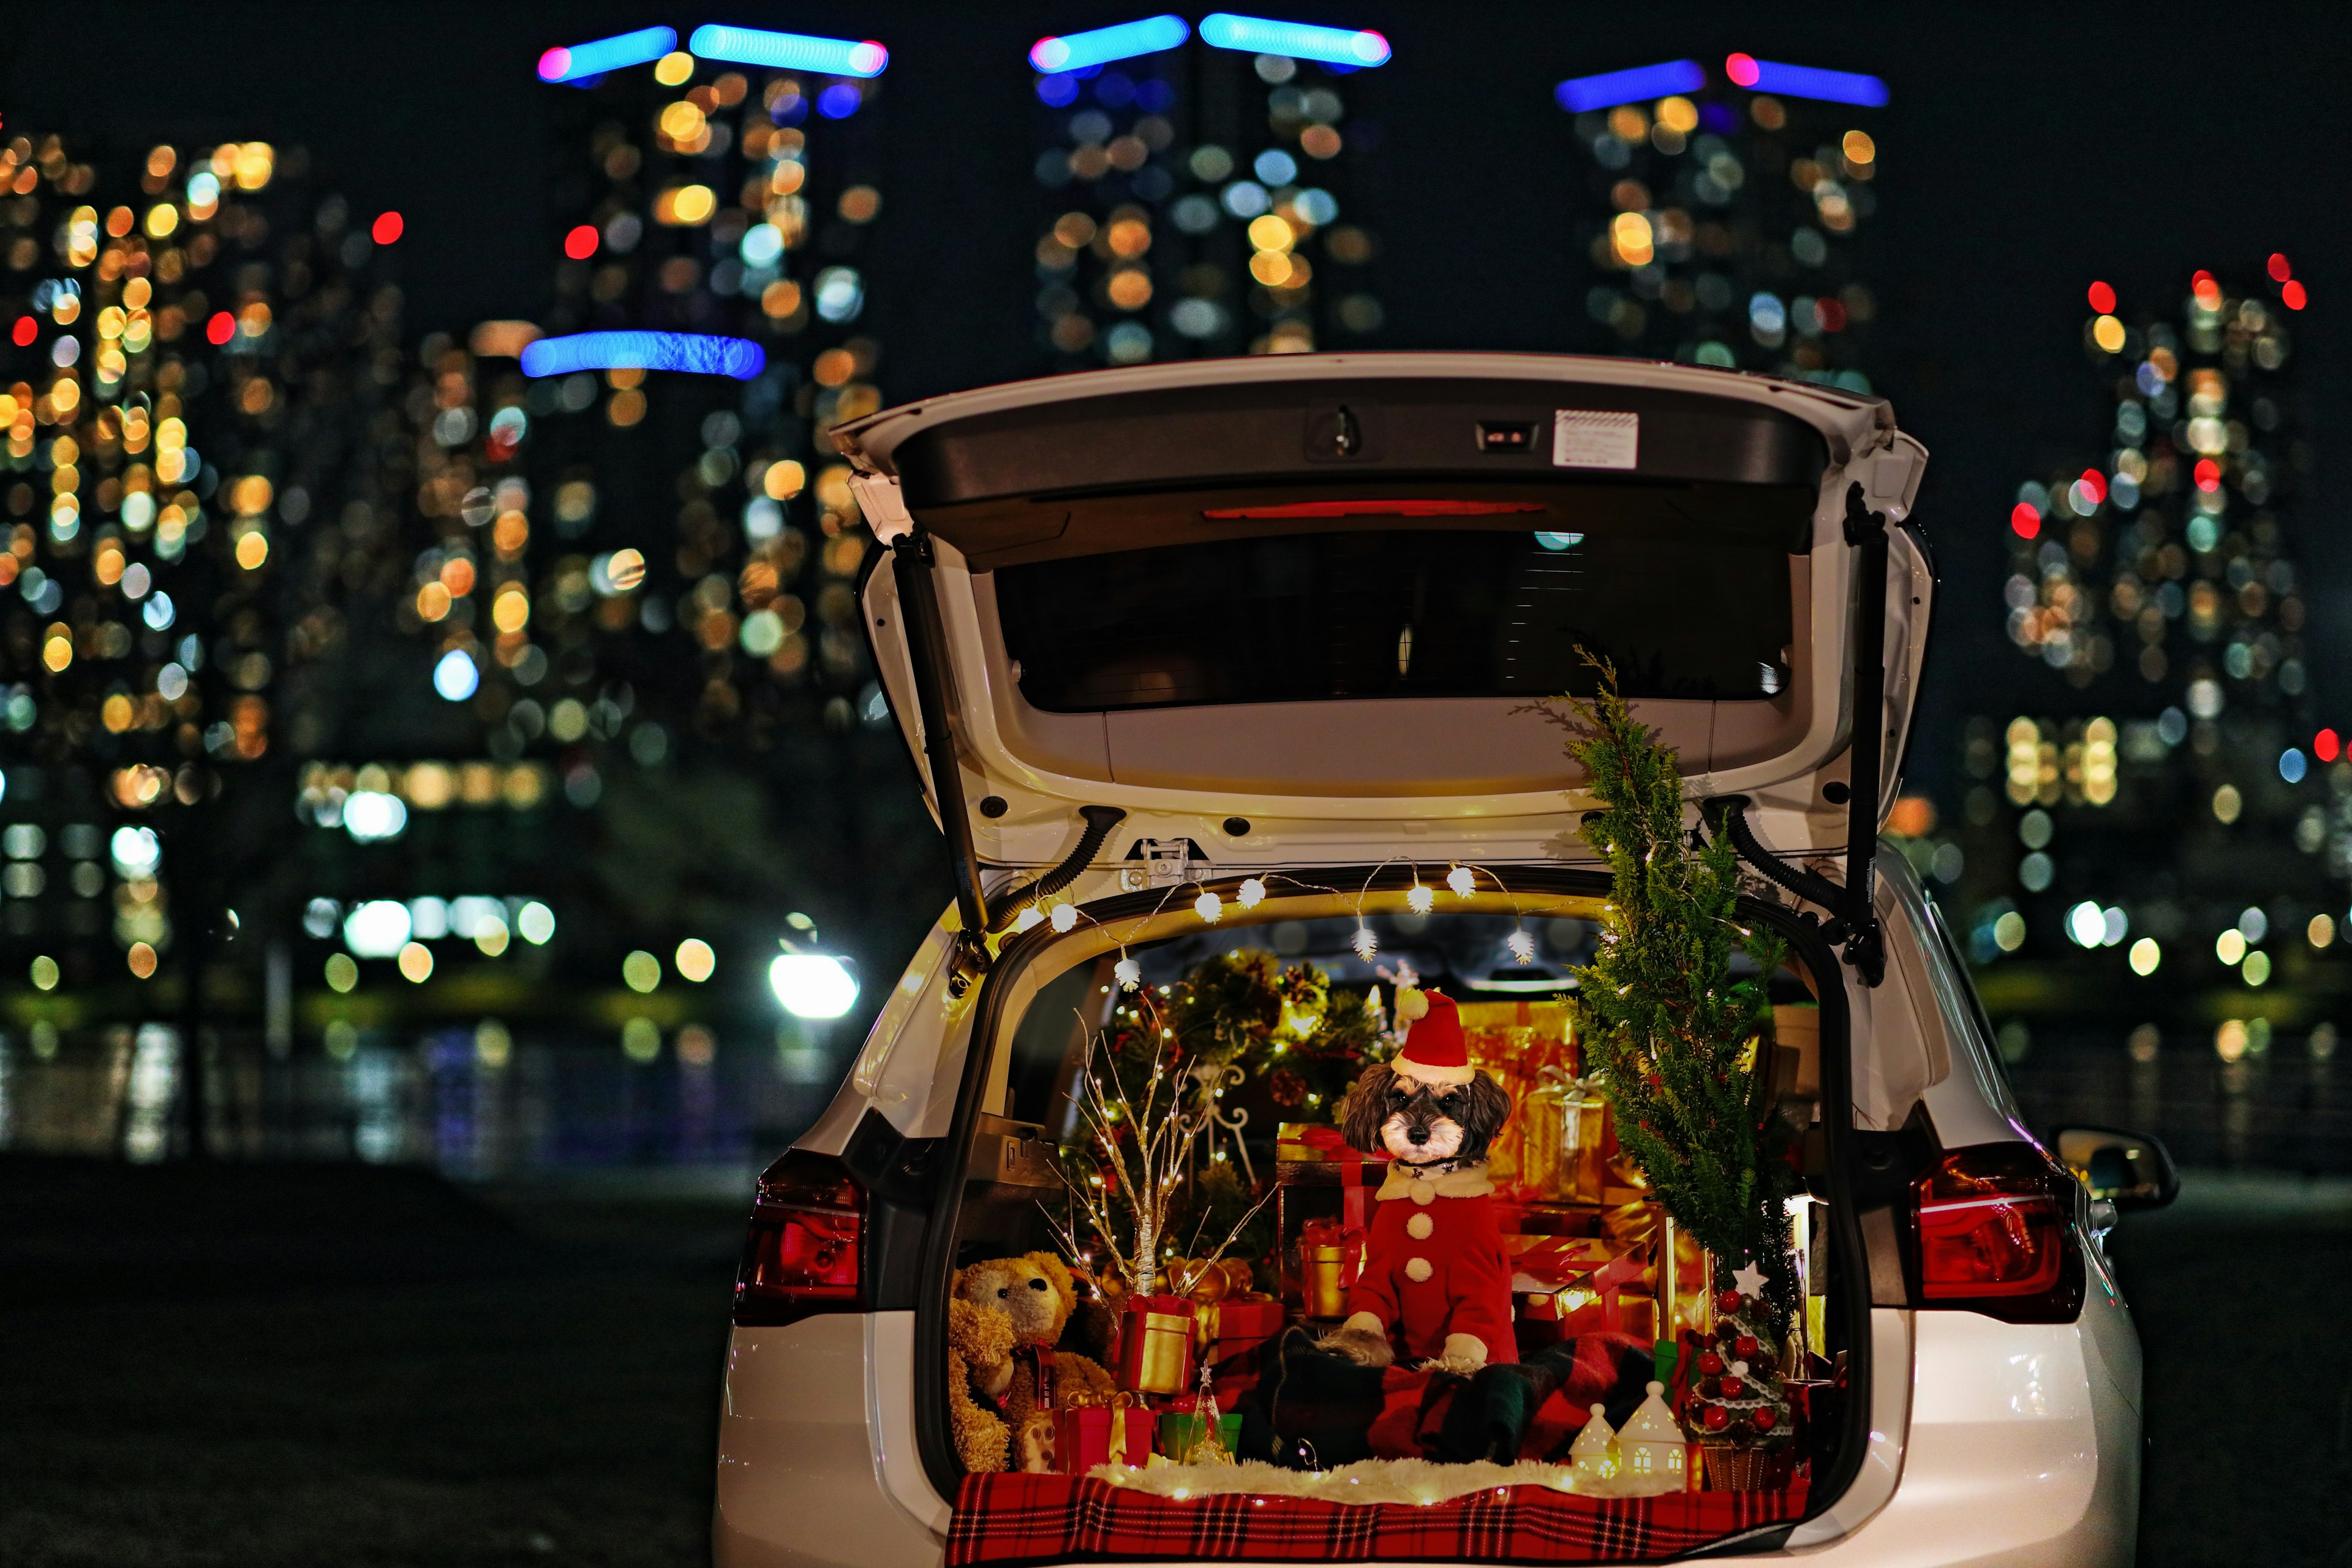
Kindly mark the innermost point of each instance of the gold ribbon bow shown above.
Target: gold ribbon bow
(1116, 1453)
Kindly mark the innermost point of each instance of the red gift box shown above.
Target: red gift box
(1560, 1320)
(1231, 1334)
(1223, 1329)
(1101, 1435)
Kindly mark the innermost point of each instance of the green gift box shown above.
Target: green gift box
(1181, 1432)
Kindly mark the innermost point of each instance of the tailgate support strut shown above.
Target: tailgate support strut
(1853, 919)
(919, 601)
(1865, 529)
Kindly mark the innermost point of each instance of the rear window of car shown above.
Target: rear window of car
(1446, 594)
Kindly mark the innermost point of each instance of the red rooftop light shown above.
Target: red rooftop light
(2209, 475)
(387, 228)
(2024, 520)
(220, 329)
(1741, 69)
(2293, 296)
(2092, 484)
(25, 331)
(2103, 298)
(581, 243)
(2328, 745)
(2280, 270)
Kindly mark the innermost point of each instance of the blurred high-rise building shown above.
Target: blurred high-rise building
(634, 588)
(1203, 195)
(198, 341)
(2163, 815)
(1727, 216)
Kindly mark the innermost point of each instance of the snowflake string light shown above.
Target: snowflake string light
(1210, 908)
(1462, 880)
(1127, 972)
(1028, 919)
(1365, 942)
(1522, 946)
(1065, 917)
(1252, 893)
(1420, 900)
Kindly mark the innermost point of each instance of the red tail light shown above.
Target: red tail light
(1997, 1234)
(806, 1250)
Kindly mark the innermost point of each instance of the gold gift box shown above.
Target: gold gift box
(1563, 1143)
(1515, 1042)
(1160, 1360)
(1323, 1283)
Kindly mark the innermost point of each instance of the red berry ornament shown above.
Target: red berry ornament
(1765, 1420)
(1744, 1345)
(1727, 1302)
(1730, 1387)
(1716, 1419)
(1710, 1362)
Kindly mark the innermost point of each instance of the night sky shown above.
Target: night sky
(2027, 152)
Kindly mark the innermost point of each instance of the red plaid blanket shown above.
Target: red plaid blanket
(1037, 1519)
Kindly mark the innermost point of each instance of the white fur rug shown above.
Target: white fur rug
(1367, 1481)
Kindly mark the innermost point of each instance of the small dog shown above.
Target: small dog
(1420, 1124)
(1437, 1282)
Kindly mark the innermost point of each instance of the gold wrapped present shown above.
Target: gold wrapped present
(1563, 1141)
(1517, 1043)
(1155, 1345)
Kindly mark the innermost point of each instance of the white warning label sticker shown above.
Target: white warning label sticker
(1589, 438)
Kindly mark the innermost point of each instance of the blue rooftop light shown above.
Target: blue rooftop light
(1632, 85)
(1100, 45)
(1352, 47)
(1805, 82)
(576, 62)
(692, 351)
(787, 51)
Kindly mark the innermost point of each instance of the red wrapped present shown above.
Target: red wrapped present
(1310, 1161)
(1101, 1435)
(1223, 1329)
(1542, 1262)
(1592, 1304)
(1229, 1335)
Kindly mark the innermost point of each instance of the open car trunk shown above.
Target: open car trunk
(1214, 673)
(1601, 1280)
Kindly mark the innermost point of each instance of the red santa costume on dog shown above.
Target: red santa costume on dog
(1436, 1279)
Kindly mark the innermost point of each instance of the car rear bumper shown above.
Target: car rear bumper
(2021, 1450)
(805, 1456)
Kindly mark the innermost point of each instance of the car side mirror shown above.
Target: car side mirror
(2129, 1170)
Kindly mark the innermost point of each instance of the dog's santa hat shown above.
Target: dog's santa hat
(1434, 1052)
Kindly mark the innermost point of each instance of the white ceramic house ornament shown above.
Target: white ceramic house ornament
(1592, 1457)
(1651, 1459)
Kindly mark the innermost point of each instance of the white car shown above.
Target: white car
(1152, 633)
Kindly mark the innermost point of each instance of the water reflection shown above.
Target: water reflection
(2282, 1108)
(476, 1103)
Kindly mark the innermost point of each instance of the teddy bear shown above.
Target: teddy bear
(1017, 1378)
(977, 1337)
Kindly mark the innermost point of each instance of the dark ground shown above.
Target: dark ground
(297, 1365)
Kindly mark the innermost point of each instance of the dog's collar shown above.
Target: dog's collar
(1459, 1178)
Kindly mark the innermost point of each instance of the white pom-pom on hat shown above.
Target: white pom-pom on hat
(1411, 1003)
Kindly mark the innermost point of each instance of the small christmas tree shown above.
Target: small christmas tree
(1124, 1188)
(1675, 1039)
(1737, 1392)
